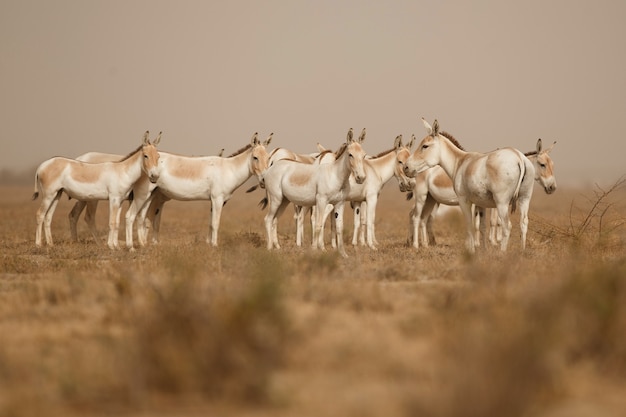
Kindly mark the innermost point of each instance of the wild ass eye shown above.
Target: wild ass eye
(350, 155)
(424, 147)
(542, 166)
(255, 158)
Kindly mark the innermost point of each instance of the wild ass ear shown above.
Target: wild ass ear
(397, 144)
(362, 136)
(350, 135)
(145, 137)
(550, 148)
(221, 153)
(539, 146)
(435, 128)
(428, 127)
(320, 147)
(255, 138)
(410, 144)
(158, 139)
(268, 140)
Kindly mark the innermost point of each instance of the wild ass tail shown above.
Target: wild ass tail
(263, 203)
(36, 193)
(522, 174)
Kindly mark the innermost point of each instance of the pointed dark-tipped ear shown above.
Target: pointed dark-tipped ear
(255, 139)
(158, 139)
(221, 153)
(397, 143)
(350, 136)
(410, 144)
(550, 148)
(362, 136)
(539, 145)
(146, 141)
(268, 140)
(435, 128)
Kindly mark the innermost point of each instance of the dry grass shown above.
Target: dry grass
(185, 329)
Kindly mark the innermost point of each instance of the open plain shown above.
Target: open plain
(181, 328)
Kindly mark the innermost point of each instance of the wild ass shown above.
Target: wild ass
(188, 178)
(495, 179)
(153, 216)
(91, 205)
(544, 175)
(378, 170)
(318, 185)
(111, 181)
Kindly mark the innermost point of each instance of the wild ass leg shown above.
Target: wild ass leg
(338, 212)
(503, 215)
(371, 220)
(420, 200)
(357, 223)
(299, 216)
(481, 226)
(468, 213)
(90, 219)
(426, 221)
(216, 213)
(115, 211)
(276, 207)
(73, 217)
(523, 206)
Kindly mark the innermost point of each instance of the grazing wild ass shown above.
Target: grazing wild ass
(495, 179)
(111, 181)
(319, 185)
(188, 178)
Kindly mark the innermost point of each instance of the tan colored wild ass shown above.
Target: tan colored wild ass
(495, 179)
(318, 185)
(83, 181)
(188, 178)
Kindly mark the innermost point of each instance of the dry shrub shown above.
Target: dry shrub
(197, 336)
(507, 340)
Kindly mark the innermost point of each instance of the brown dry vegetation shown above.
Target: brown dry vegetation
(185, 329)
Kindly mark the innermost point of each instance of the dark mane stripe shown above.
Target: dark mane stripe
(341, 150)
(531, 153)
(383, 153)
(131, 154)
(452, 139)
(242, 150)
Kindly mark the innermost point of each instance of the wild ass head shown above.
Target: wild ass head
(150, 157)
(428, 152)
(544, 167)
(403, 152)
(356, 155)
(259, 157)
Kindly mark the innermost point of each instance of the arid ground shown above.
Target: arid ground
(181, 328)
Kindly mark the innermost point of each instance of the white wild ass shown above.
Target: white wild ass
(188, 178)
(153, 216)
(544, 175)
(318, 185)
(495, 179)
(378, 171)
(91, 205)
(83, 181)
(433, 187)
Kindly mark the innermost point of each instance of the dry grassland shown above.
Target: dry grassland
(185, 329)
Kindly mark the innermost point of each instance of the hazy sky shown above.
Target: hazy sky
(79, 76)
